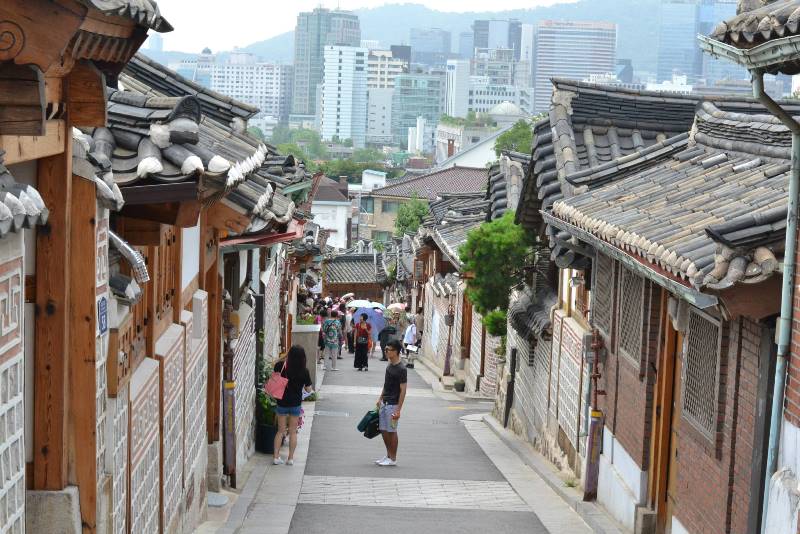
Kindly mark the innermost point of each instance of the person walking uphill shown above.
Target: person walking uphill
(288, 410)
(362, 333)
(332, 339)
(390, 403)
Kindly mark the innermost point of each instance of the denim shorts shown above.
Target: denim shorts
(385, 422)
(294, 411)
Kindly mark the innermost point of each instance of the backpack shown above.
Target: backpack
(331, 335)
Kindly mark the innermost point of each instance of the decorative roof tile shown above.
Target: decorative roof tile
(710, 214)
(352, 269)
(431, 185)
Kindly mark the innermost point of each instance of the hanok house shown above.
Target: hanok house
(769, 47)
(246, 218)
(62, 437)
(455, 342)
(353, 273)
(123, 301)
(379, 207)
(667, 246)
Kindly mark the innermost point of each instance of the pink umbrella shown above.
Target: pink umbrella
(397, 306)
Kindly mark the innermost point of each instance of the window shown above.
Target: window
(631, 314)
(700, 373)
(603, 293)
(368, 204)
(381, 236)
(390, 206)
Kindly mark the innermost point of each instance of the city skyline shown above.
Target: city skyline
(190, 20)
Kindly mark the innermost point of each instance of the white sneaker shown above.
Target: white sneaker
(387, 462)
(278, 461)
(289, 462)
(379, 460)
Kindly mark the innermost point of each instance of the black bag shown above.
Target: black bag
(372, 429)
(370, 416)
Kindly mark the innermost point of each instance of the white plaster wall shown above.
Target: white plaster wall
(677, 527)
(190, 255)
(784, 491)
(622, 485)
(332, 216)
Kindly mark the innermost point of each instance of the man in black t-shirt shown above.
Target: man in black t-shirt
(391, 402)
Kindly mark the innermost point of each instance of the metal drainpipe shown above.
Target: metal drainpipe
(787, 290)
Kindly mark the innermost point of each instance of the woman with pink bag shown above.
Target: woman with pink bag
(288, 411)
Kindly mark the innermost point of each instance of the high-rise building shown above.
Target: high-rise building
(430, 46)
(497, 34)
(382, 68)
(379, 115)
(416, 95)
(268, 86)
(497, 64)
(484, 95)
(344, 94)
(457, 87)
(711, 69)
(197, 69)
(401, 52)
(678, 53)
(677, 50)
(314, 31)
(466, 45)
(571, 50)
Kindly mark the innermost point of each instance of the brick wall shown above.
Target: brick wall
(476, 346)
(629, 385)
(792, 402)
(145, 499)
(713, 478)
(489, 380)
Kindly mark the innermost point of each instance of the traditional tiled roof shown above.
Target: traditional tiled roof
(456, 204)
(452, 217)
(750, 28)
(711, 214)
(149, 143)
(505, 180)
(329, 191)
(21, 206)
(352, 269)
(529, 308)
(431, 185)
(217, 106)
(445, 285)
(594, 129)
(143, 12)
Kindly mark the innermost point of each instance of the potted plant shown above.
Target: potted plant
(459, 385)
(265, 422)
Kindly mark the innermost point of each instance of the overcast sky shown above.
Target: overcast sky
(223, 24)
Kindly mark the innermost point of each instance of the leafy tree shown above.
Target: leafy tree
(410, 215)
(494, 254)
(368, 155)
(256, 132)
(518, 138)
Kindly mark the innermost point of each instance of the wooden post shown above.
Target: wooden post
(214, 289)
(51, 384)
(82, 355)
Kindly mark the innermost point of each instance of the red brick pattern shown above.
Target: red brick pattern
(713, 479)
(792, 402)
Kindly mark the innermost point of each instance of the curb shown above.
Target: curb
(593, 514)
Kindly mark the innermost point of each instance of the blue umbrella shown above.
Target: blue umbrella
(375, 318)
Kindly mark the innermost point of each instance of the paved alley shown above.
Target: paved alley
(453, 474)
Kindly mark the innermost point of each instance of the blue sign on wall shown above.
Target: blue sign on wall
(102, 315)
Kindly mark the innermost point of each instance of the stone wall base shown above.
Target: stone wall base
(53, 512)
(214, 469)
